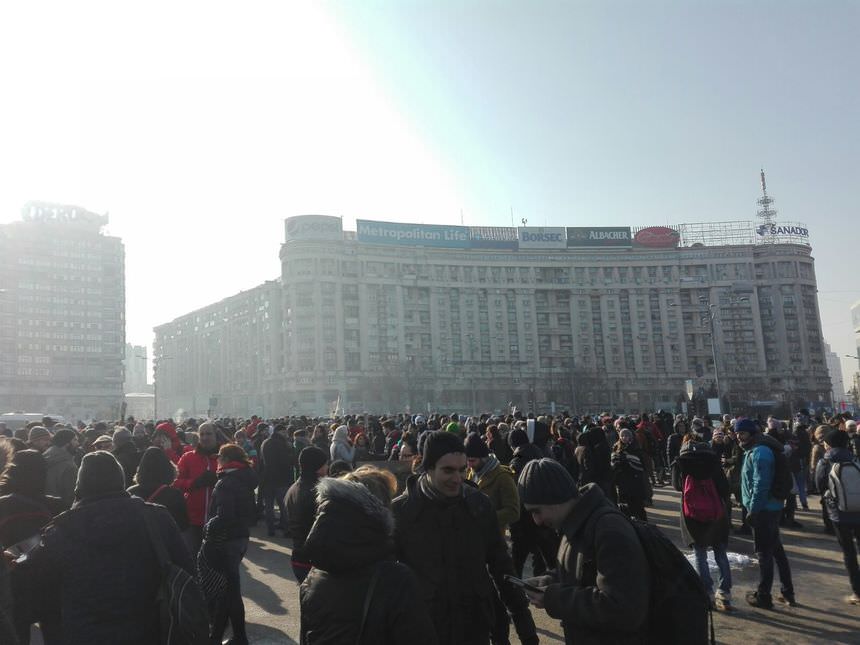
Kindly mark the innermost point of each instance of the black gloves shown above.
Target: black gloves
(205, 480)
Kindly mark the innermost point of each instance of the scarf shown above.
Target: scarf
(429, 491)
(230, 466)
(489, 463)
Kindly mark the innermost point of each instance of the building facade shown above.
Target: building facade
(136, 367)
(400, 316)
(62, 314)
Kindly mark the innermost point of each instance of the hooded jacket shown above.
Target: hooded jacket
(497, 482)
(96, 572)
(300, 501)
(340, 448)
(351, 538)
(757, 473)
(62, 474)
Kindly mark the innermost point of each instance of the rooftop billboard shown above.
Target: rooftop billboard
(605, 236)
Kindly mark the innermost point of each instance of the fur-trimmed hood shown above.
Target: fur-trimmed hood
(352, 530)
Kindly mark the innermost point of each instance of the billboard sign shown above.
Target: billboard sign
(541, 237)
(493, 237)
(313, 227)
(788, 230)
(657, 237)
(371, 232)
(606, 236)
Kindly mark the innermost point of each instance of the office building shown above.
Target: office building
(62, 314)
(400, 316)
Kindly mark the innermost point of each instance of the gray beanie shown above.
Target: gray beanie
(38, 432)
(121, 436)
(545, 481)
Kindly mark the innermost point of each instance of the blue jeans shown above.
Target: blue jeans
(722, 564)
(271, 496)
(800, 482)
(768, 547)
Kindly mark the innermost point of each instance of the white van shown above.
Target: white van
(17, 420)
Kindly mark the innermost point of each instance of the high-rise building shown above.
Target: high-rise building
(136, 381)
(396, 316)
(834, 369)
(62, 314)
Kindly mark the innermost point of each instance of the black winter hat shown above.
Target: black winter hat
(476, 447)
(545, 481)
(311, 459)
(517, 438)
(438, 444)
(836, 438)
(100, 474)
(63, 437)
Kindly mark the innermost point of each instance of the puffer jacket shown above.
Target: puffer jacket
(96, 574)
(62, 474)
(757, 473)
(301, 504)
(602, 571)
(693, 532)
(351, 539)
(191, 466)
(340, 447)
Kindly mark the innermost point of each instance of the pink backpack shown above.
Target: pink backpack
(701, 500)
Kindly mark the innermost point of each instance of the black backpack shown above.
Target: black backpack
(680, 607)
(783, 481)
(183, 612)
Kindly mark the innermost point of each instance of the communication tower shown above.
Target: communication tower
(766, 213)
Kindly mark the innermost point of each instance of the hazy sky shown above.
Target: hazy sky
(201, 126)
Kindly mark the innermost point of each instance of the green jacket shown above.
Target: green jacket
(500, 486)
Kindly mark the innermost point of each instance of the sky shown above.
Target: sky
(200, 126)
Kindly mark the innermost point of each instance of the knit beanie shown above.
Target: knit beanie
(517, 438)
(453, 427)
(437, 445)
(545, 481)
(476, 447)
(38, 432)
(139, 430)
(311, 459)
(63, 438)
(120, 437)
(836, 438)
(746, 425)
(100, 474)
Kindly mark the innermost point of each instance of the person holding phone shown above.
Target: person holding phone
(602, 565)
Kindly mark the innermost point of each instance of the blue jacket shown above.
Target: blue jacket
(757, 479)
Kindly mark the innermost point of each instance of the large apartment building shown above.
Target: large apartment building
(396, 316)
(62, 314)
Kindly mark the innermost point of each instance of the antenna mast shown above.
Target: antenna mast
(766, 213)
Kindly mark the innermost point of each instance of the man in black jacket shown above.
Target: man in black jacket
(301, 506)
(447, 532)
(602, 587)
(278, 474)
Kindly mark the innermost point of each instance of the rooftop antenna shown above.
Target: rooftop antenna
(524, 221)
(766, 213)
(512, 216)
(461, 217)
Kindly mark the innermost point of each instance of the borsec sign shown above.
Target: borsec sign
(313, 227)
(541, 237)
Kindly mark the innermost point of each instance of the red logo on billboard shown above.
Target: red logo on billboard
(657, 237)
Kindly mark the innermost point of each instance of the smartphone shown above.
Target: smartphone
(522, 584)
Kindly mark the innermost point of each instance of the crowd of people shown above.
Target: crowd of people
(430, 549)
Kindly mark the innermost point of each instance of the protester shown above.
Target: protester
(448, 534)
(126, 454)
(153, 483)
(607, 599)
(628, 475)
(62, 471)
(705, 515)
(39, 438)
(278, 459)
(196, 479)
(341, 448)
(233, 510)
(95, 575)
(301, 506)
(356, 582)
(763, 514)
(838, 497)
